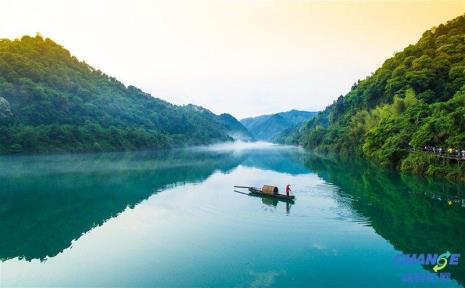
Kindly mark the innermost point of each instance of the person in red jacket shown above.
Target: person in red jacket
(288, 189)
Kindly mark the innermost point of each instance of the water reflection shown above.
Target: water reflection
(46, 202)
(273, 203)
(415, 215)
(286, 160)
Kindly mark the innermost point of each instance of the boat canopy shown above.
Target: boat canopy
(268, 189)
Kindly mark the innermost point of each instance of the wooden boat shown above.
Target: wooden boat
(267, 191)
(257, 191)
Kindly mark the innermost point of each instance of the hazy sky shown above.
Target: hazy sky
(242, 57)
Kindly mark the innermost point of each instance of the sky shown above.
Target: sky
(243, 57)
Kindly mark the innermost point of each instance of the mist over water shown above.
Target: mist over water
(239, 146)
(172, 218)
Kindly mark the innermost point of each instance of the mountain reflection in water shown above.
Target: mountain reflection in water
(49, 202)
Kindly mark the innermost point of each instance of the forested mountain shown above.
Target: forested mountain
(51, 102)
(415, 99)
(267, 127)
(236, 130)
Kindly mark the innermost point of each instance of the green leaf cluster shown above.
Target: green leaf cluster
(416, 98)
(50, 101)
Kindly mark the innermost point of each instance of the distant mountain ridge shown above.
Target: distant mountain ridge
(235, 128)
(52, 102)
(268, 127)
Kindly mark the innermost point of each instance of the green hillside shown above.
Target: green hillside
(235, 128)
(415, 99)
(52, 102)
(268, 127)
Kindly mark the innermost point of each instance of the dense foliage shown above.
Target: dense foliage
(269, 127)
(416, 99)
(51, 102)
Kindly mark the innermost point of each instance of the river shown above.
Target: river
(172, 219)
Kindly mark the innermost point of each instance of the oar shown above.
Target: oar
(241, 192)
(242, 187)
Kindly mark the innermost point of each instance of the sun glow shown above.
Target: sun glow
(242, 57)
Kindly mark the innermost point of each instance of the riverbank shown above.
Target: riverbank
(431, 165)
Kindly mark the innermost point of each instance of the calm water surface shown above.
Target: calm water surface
(173, 219)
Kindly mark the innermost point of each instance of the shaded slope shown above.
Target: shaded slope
(235, 128)
(267, 127)
(50, 101)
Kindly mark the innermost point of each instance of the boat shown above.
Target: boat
(267, 191)
(259, 192)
